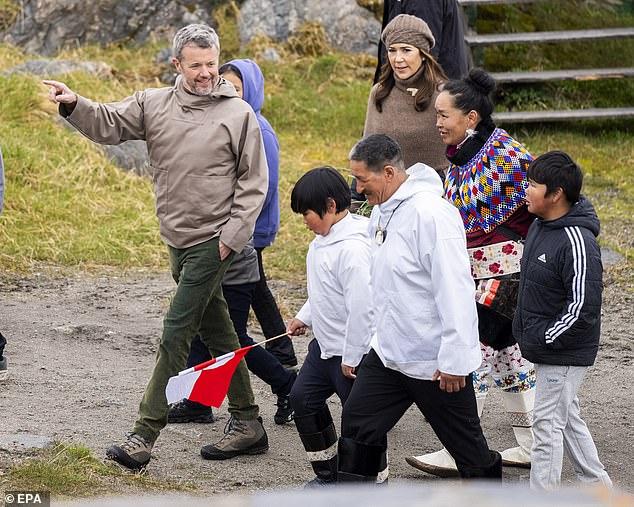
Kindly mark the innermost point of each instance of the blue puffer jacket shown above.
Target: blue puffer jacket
(268, 221)
(558, 315)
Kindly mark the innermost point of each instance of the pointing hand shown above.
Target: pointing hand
(60, 93)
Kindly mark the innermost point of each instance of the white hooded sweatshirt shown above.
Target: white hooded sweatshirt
(423, 292)
(338, 308)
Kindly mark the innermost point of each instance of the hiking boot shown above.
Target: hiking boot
(134, 453)
(241, 437)
(284, 412)
(3, 368)
(185, 411)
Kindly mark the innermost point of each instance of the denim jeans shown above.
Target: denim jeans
(197, 306)
(260, 361)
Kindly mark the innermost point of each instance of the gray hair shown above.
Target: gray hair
(200, 35)
(377, 151)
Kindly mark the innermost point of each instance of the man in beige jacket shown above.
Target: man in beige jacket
(210, 180)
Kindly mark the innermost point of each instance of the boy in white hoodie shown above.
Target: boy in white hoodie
(426, 342)
(337, 310)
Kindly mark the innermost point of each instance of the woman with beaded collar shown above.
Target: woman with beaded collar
(486, 181)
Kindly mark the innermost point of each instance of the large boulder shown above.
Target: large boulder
(46, 26)
(349, 27)
(48, 69)
(43, 27)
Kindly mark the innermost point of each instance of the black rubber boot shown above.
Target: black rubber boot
(493, 470)
(359, 462)
(319, 437)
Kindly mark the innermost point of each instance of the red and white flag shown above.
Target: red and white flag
(208, 382)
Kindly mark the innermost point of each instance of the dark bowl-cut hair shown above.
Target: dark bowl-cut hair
(313, 190)
(556, 169)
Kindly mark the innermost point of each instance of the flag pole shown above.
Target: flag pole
(204, 365)
(271, 339)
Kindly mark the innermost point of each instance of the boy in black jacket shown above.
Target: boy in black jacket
(558, 318)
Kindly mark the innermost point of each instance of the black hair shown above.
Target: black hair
(314, 189)
(229, 67)
(556, 169)
(376, 151)
(472, 93)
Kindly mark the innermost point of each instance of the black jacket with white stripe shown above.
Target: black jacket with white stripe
(558, 316)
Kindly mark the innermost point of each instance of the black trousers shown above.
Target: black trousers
(270, 319)
(317, 381)
(3, 342)
(380, 396)
(259, 360)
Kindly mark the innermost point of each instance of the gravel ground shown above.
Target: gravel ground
(81, 348)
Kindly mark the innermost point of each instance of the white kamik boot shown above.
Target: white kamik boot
(441, 463)
(519, 406)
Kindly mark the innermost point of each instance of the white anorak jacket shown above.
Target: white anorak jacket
(422, 289)
(338, 308)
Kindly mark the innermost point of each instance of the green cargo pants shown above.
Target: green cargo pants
(198, 306)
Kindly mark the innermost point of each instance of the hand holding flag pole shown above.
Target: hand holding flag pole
(208, 382)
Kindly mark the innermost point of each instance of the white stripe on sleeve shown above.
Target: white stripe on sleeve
(579, 265)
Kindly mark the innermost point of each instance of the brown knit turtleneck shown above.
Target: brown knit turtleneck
(414, 131)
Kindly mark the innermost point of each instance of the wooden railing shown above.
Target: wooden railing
(475, 40)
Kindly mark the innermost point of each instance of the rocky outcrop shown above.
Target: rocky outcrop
(349, 27)
(50, 68)
(45, 26)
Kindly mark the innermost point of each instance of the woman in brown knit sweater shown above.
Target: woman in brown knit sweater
(401, 104)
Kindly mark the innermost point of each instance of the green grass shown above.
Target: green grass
(67, 205)
(72, 471)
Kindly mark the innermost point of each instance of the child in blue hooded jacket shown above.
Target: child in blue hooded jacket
(247, 78)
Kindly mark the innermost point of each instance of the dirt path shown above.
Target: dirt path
(81, 349)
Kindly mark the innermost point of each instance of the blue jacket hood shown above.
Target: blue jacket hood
(268, 222)
(253, 90)
(252, 83)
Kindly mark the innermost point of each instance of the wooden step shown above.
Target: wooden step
(541, 37)
(562, 75)
(565, 115)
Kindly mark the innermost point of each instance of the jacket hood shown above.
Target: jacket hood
(222, 89)
(581, 214)
(252, 82)
(349, 227)
(252, 89)
(421, 178)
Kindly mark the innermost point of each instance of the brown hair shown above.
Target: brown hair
(433, 76)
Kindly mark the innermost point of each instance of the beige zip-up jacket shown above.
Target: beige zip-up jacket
(206, 153)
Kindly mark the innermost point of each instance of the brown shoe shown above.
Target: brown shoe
(241, 437)
(134, 453)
